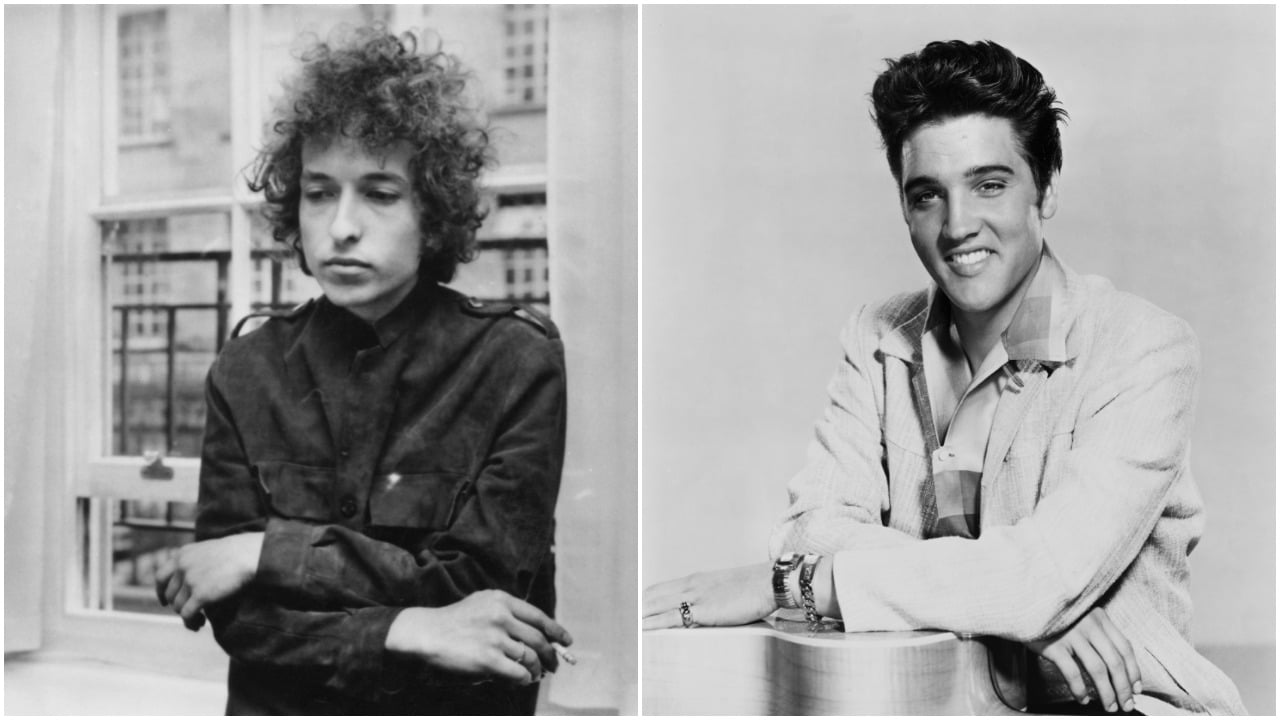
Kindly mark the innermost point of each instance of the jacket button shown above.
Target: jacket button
(347, 506)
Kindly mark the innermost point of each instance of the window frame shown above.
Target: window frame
(76, 503)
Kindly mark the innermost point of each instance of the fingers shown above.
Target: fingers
(504, 667)
(1096, 665)
(526, 658)
(1116, 677)
(664, 596)
(668, 619)
(1116, 655)
(1125, 648)
(1062, 658)
(189, 607)
(180, 597)
(176, 583)
(530, 615)
(533, 640)
(194, 620)
(163, 574)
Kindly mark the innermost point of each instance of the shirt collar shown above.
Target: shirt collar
(387, 329)
(1038, 331)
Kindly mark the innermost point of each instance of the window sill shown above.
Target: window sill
(38, 683)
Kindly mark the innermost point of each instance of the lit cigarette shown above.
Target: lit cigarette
(564, 654)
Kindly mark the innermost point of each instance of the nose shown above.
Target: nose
(961, 222)
(345, 225)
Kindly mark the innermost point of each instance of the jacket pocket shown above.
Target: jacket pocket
(429, 501)
(297, 491)
(1030, 470)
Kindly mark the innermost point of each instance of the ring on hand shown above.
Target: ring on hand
(686, 614)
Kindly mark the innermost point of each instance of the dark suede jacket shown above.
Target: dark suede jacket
(408, 463)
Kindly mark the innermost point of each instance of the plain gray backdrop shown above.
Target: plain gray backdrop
(770, 216)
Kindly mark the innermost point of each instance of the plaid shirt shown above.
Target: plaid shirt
(964, 402)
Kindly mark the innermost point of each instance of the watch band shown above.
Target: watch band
(806, 588)
(782, 568)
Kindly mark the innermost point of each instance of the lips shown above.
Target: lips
(969, 262)
(347, 263)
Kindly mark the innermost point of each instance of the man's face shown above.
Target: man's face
(359, 224)
(970, 203)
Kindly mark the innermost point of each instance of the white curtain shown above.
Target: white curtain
(591, 197)
(34, 303)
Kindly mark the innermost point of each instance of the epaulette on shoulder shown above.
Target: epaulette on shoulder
(481, 308)
(289, 314)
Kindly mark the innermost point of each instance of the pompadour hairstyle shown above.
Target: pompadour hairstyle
(951, 79)
(376, 88)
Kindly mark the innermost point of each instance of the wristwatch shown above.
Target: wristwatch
(782, 568)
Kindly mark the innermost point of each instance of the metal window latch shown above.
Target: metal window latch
(155, 469)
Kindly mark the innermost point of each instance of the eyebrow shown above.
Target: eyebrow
(308, 175)
(971, 173)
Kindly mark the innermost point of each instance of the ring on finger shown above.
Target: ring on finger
(686, 614)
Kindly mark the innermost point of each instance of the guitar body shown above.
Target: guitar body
(779, 667)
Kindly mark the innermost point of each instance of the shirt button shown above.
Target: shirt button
(347, 506)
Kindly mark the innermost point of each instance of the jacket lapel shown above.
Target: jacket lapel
(1010, 411)
(924, 410)
(903, 343)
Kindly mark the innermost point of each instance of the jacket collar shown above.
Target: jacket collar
(387, 329)
(1040, 330)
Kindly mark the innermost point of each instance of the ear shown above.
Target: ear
(1049, 201)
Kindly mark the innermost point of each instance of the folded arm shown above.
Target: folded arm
(1038, 577)
(315, 584)
(499, 537)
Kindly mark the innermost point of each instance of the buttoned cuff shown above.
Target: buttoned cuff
(283, 560)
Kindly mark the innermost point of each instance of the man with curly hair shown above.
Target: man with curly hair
(1006, 452)
(380, 466)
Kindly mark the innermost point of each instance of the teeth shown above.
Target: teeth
(970, 257)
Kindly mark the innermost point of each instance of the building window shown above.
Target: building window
(144, 76)
(526, 36)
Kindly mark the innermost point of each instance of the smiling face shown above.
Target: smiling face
(970, 202)
(358, 223)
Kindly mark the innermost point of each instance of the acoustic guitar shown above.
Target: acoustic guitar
(781, 667)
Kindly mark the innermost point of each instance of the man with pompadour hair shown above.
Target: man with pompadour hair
(1006, 452)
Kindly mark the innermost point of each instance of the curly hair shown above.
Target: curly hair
(951, 79)
(377, 89)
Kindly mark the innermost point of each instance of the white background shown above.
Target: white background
(770, 216)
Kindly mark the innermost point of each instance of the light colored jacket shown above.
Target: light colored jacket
(1087, 496)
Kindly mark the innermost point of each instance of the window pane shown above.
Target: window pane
(167, 283)
(145, 534)
(529, 37)
(278, 280)
(512, 263)
(174, 107)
